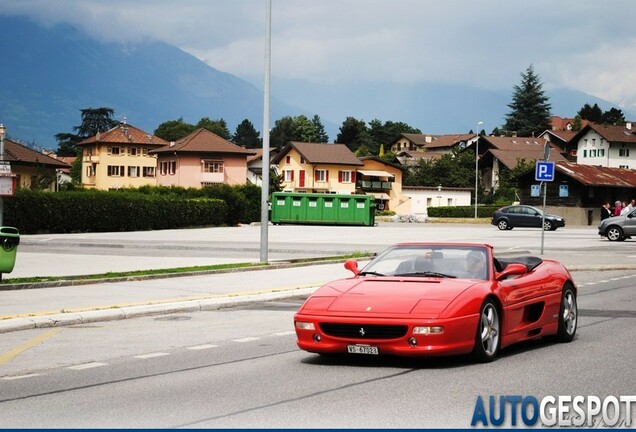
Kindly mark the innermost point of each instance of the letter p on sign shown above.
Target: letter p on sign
(544, 171)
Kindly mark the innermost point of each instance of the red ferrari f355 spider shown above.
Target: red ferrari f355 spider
(426, 299)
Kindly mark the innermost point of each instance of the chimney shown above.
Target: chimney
(171, 143)
(628, 125)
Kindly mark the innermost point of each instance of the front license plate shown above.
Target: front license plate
(362, 349)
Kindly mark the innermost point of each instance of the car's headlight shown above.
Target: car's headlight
(427, 330)
(301, 325)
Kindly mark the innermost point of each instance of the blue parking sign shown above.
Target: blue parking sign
(544, 171)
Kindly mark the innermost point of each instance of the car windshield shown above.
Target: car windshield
(468, 262)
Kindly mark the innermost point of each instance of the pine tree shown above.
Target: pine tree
(530, 113)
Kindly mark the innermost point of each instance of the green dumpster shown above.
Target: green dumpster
(325, 209)
(10, 239)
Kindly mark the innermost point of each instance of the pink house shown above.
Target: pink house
(201, 159)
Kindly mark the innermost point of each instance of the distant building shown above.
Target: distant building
(317, 167)
(119, 157)
(33, 169)
(201, 159)
(606, 145)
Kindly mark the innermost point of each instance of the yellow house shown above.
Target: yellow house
(383, 180)
(32, 169)
(120, 158)
(317, 167)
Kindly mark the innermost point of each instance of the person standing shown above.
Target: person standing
(617, 208)
(605, 212)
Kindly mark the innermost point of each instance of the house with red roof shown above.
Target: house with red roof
(32, 169)
(119, 157)
(201, 159)
(606, 145)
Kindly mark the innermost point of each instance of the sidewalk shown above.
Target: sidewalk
(65, 303)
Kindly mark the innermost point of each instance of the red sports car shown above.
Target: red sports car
(425, 299)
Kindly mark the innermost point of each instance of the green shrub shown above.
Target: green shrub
(461, 211)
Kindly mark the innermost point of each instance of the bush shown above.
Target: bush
(100, 211)
(461, 211)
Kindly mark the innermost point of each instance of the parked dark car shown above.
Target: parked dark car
(618, 228)
(507, 218)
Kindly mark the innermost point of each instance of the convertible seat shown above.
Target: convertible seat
(531, 262)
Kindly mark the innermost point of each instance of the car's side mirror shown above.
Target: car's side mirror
(513, 269)
(352, 266)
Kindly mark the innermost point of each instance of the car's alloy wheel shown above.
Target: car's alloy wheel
(568, 315)
(614, 233)
(502, 225)
(487, 337)
(547, 226)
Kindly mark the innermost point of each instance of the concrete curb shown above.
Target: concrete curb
(126, 312)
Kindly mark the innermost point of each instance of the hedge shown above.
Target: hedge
(101, 211)
(462, 211)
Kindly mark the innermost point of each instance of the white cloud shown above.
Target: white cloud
(582, 44)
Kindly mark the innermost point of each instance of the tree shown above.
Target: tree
(281, 133)
(354, 134)
(508, 187)
(321, 135)
(302, 129)
(530, 109)
(591, 113)
(455, 169)
(93, 120)
(246, 135)
(614, 117)
(218, 127)
(174, 130)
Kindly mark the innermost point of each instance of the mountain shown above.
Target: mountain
(50, 73)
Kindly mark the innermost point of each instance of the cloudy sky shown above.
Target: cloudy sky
(586, 45)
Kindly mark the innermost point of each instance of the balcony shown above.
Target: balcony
(370, 185)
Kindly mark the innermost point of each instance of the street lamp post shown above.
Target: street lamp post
(477, 166)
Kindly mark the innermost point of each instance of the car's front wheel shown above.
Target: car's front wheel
(503, 225)
(487, 336)
(614, 233)
(547, 225)
(568, 315)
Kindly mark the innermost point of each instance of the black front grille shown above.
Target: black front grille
(363, 331)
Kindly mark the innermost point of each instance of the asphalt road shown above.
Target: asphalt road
(239, 367)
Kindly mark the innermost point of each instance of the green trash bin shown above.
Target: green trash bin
(9, 239)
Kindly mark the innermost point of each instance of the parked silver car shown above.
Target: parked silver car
(619, 228)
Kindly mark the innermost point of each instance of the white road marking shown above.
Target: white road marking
(151, 355)
(202, 347)
(245, 339)
(285, 333)
(11, 378)
(87, 366)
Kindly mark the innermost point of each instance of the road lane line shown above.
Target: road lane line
(8, 356)
(17, 377)
(285, 333)
(87, 366)
(202, 347)
(245, 339)
(151, 355)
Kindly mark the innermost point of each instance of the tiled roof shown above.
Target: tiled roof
(590, 175)
(510, 158)
(613, 134)
(513, 143)
(258, 154)
(125, 134)
(418, 139)
(450, 140)
(203, 141)
(563, 135)
(18, 153)
(321, 153)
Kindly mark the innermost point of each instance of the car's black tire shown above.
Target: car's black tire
(568, 315)
(502, 224)
(487, 336)
(614, 233)
(548, 226)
